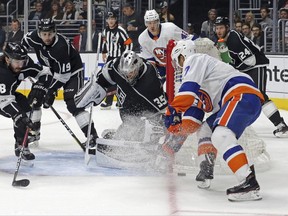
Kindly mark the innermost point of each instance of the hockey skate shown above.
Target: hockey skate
(92, 144)
(26, 154)
(205, 174)
(247, 190)
(282, 130)
(33, 138)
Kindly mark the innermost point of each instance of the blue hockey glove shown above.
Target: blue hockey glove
(173, 119)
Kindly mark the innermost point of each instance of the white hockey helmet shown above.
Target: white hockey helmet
(184, 48)
(129, 66)
(151, 15)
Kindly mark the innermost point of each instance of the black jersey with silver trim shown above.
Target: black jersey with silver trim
(241, 49)
(146, 95)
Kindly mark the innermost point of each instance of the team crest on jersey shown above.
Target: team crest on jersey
(160, 54)
(121, 95)
(44, 58)
(206, 103)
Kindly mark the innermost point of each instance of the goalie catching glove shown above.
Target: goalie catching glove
(91, 94)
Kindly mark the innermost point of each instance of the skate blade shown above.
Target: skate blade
(27, 163)
(204, 184)
(247, 196)
(281, 135)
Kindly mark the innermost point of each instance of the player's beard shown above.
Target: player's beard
(48, 42)
(15, 69)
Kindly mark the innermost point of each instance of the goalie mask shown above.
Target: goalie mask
(129, 66)
(183, 48)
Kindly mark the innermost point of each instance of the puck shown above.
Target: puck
(181, 174)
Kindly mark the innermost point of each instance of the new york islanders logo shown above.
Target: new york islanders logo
(160, 54)
(205, 101)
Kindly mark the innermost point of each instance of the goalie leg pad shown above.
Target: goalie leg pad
(91, 94)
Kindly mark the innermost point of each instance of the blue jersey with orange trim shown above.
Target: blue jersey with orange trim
(208, 83)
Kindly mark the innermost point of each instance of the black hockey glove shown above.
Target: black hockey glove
(37, 93)
(22, 121)
(49, 98)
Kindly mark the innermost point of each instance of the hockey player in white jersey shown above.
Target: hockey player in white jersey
(154, 39)
(228, 95)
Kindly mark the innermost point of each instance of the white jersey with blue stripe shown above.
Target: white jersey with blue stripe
(154, 48)
(211, 82)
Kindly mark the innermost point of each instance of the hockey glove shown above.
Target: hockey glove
(173, 120)
(49, 98)
(37, 93)
(22, 121)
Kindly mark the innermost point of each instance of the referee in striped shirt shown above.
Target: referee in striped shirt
(114, 42)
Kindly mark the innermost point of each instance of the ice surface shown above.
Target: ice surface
(61, 183)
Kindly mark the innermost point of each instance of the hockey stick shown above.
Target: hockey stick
(22, 182)
(87, 156)
(63, 122)
(67, 127)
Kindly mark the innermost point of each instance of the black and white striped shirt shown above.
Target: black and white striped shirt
(115, 41)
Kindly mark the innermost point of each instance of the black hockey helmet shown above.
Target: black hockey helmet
(47, 25)
(112, 14)
(222, 21)
(15, 51)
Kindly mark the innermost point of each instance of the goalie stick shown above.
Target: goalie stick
(22, 182)
(93, 75)
(63, 122)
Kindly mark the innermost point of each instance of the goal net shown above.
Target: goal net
(186, 158)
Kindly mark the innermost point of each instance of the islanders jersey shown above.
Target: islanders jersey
(211, 84)
(153, 48)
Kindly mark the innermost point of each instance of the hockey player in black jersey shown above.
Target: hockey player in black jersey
(55, 51)
(15, 66)
(139, 91)
(247, 57)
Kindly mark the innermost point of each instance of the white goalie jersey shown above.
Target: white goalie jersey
(154, 48)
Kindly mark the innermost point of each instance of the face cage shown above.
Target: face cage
(131, 79)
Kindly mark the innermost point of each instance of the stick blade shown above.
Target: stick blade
(21, 183)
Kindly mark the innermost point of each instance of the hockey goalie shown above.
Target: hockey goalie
(142, 136)
(143, 101)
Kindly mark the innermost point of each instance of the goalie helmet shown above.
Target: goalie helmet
(47, 25)
(151, 15)
(184, 48)
(129, 66)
